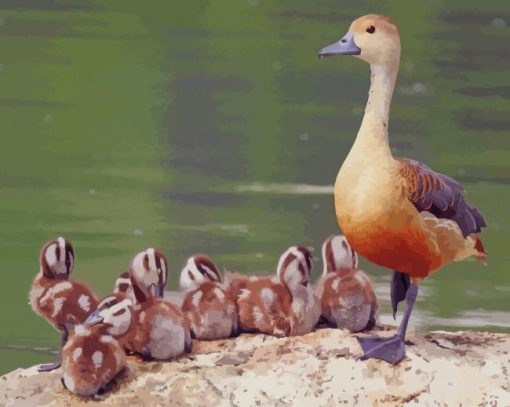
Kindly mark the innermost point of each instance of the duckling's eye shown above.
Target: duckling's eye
(371, 29)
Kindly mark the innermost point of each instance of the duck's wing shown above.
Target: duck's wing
(440, 195)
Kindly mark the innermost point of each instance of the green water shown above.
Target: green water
(206, 127)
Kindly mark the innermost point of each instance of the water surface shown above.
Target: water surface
(212, 127)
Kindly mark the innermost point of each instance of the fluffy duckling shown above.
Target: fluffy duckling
(275, 305)
(208, 307)
(117, 312)
(346, 294)
(93, 358)
(160, 330)
(236, 282)
(63, 302)
(304, 293)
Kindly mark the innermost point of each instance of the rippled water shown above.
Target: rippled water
(212, 127)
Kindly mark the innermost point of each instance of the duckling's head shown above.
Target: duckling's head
(337, 254)
(373, 38)
(123, 284)
(57, 258)
(197, 270)
(114, 313)
(148, 273)
(292, 268)
(307, 254)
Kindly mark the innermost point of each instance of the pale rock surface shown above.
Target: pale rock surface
(317, 369)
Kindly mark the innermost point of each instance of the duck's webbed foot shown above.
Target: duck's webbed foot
(48, 367)
(391, 350)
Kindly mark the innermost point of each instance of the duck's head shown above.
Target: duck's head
(148, 273)
(197, 270)
(373, 38)
(292, 269)
(57, 258)
(337, 254)
(114, 313)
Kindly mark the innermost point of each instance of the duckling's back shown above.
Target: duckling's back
(90, 360)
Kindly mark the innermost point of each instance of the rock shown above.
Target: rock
(319, 368)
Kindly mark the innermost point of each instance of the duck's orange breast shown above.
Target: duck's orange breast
(388, 231)
(407, 249)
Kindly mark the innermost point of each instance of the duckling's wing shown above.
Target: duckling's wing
(440, 195)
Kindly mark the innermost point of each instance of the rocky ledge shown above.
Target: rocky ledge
(320, 368)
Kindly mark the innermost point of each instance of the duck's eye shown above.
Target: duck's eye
(371, 29)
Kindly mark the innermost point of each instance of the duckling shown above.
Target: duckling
(61, 301)
(160, 330)
(305, 294)
(117, 312)
(346, 294)
(209, 308)
(236, 282)
(276, 305)
(93, 357)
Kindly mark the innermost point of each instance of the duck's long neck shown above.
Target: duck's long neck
(372, 138)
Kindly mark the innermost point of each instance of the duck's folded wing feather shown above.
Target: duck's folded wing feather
(440, 195)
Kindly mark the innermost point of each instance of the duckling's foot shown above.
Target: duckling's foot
(48, 367)
(391, 350)
(146, 354)
(235, 331)
(188, 345)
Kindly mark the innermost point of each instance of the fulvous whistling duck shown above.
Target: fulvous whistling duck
(58, 299)
(396, 212)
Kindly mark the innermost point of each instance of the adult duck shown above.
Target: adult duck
(396, 212)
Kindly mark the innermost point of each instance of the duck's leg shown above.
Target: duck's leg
(391, 349)
(400, 283)
(48, 367)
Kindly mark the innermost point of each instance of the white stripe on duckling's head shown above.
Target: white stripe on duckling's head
(197, 270)
(337, 254)
(148, 273)
(292, 269)
(307, 254)
(57, 258)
